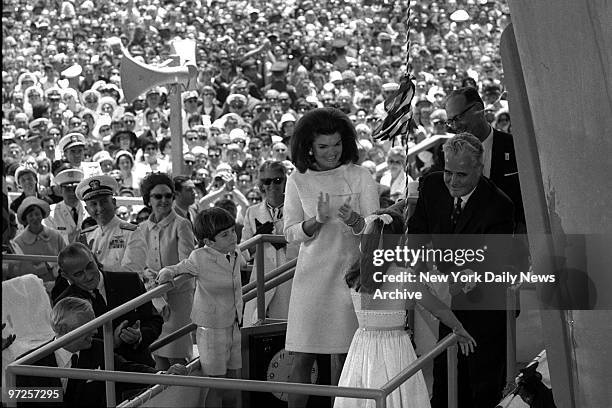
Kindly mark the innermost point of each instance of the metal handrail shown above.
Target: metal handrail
(110, 376)
(153, 391)
(271, 283)
(270, 275)
(29, 258)
(106, 321)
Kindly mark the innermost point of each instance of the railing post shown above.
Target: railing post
(10, 383)
(451, 363)
(109, 362)
(259, 270)
(381, 401)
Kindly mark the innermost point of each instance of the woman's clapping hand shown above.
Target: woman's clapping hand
(345, 212)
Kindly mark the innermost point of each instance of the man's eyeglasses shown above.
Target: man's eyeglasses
(254, 199)
(255, 148)
(391, 161)
(451, 122)
(275, 180)
(189, 163)
(167, 196)
(214, 155)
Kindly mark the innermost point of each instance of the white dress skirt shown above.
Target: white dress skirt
(380, 350)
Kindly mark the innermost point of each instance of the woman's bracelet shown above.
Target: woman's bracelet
(357, 219)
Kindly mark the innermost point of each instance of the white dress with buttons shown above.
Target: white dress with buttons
(321, 316)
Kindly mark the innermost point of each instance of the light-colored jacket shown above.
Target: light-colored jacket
(218, 298)
(60, 219)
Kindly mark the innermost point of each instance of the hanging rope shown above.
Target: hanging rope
(399, 111)
(398, 105)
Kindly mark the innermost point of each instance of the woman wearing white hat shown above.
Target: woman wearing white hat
(37, 239)
(27, 180)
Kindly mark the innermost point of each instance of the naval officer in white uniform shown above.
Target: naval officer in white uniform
(67, 215)
(117, 244)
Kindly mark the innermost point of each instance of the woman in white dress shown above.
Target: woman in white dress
(324, 203)
(381, 348)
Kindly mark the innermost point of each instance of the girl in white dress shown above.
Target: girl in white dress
(381, 348)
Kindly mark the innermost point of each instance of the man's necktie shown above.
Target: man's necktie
(74, 361)
(99, 305)
(456, 211)
(75, 216)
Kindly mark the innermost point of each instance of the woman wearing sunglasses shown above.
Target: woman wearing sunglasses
(266, 217)
(169, 240)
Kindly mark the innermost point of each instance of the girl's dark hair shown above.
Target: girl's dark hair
(211, 221)
(150, 181)
(322, 121)
(360, 275)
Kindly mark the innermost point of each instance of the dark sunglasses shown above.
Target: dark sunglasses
(189, 163)
(275, 180)
(167, 196)
(254, 148)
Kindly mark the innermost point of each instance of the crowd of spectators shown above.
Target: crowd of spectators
(261, 65)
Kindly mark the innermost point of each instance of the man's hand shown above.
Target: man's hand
(457, 287)
(128, 334)
(7, 341)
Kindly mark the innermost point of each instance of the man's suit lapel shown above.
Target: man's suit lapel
(111, 291)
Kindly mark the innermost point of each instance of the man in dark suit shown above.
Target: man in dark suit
(134, 331)
(451, 204)
(465, 111)
(84, 352)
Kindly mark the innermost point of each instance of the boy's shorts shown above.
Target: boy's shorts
(219, 349)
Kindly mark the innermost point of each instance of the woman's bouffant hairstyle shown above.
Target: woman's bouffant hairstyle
(360, 275)
(150, 181)
(322, 121)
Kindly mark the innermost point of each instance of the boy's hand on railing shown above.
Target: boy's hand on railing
(165, 275)
(177, 369)
(466, 342)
